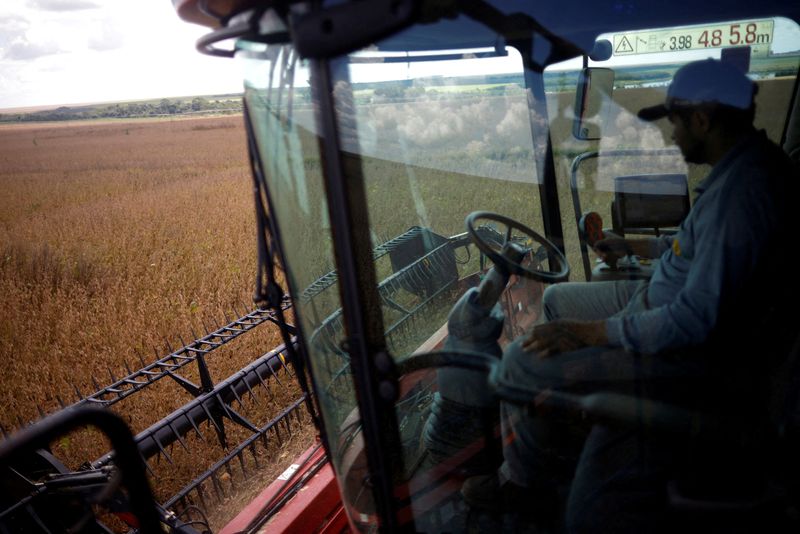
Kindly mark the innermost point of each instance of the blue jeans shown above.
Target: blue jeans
(615, 485)
(593, 301)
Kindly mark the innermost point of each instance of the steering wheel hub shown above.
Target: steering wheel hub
(524, 237)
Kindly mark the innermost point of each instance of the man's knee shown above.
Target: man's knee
(526, 370)
(550, 302)
(564, 301)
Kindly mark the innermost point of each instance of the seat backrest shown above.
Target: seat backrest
(649, 203)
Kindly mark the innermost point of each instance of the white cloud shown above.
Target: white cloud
(13, 23)
(106, 35)
(21, 39)
(62, 5)
(21, 48)
(11, 28)
(119, 51)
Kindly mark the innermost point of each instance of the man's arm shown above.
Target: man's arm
(613, 248)
(565, 335)
(731, 236)
(725, 257)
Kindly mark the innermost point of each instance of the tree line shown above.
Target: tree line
(130, 110)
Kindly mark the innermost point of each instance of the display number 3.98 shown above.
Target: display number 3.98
(681, 42)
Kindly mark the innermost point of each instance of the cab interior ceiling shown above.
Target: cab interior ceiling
(575, 21)
(579, 22)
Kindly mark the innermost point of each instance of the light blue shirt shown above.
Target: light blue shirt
(713, 255)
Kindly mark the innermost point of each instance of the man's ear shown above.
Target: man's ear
(701, 119)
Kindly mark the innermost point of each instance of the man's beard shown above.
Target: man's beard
(694, 153)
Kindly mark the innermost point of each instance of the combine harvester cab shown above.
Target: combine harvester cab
(423, 171)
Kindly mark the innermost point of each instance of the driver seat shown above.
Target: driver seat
(649, 204)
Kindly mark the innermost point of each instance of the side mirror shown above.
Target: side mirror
(592, 99)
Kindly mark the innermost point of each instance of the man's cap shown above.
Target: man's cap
(704, 82)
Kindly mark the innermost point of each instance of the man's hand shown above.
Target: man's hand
(563, 336)
(611, 249)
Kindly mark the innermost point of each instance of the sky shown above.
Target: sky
(85, 51)
(55, 52)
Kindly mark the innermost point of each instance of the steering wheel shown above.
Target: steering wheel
(496, 254)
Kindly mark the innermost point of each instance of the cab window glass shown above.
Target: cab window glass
(440, 134)
(642, 63)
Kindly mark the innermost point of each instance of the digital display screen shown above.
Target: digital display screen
(756, 34)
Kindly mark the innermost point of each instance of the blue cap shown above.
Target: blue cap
(704, 82)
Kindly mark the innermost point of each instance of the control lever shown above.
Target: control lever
(493, 284)
(590, 226)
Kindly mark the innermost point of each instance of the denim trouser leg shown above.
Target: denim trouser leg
(588, 301)
(619, 485)
(533, 446)
(537, 448)
(615, 467)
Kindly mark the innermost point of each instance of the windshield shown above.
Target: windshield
(444, 133)
(435, 147)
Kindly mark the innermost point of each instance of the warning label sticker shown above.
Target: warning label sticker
(622, 45)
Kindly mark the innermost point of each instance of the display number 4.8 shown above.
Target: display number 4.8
(736, 35)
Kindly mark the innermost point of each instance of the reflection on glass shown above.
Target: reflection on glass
(626, 146)
(281, 111)
(440, 136)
